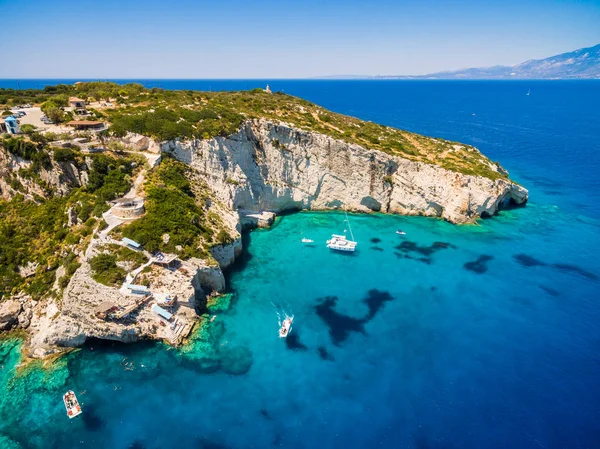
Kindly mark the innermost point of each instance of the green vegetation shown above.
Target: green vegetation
(36, 231)
(30, 232)
(29, 151)
(71, 265)
(123, 254)
(110, 177)
(219, 303)
(167, 115)
(52, 109)
(27, 128)
(105, 270)
(64, 155)
(171, 208)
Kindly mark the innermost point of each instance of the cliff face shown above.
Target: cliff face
(266, 166)
(69, 324)
(59, 179)
(273, 166)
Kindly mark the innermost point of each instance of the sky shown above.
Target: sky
(272, 39)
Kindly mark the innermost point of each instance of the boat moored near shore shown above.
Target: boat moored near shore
(341, 243)
(71, 404)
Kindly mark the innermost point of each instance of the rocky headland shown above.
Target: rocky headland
(230, 178)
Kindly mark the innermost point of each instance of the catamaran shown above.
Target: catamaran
(286, 327)
(71, 404)
(340, 242)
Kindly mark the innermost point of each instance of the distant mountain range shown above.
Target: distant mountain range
(579, 64)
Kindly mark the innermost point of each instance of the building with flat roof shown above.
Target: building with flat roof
(161, 312)
(138, 289)
(104, 309)
(131, 243)
(86, 124)
(169, 261)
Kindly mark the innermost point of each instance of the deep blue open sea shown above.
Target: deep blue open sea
(449, 337)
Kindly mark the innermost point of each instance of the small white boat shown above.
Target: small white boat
(71, 404)
(340, 242)
(305, 240)
(529, 92)
(399, 232)
(286, 327)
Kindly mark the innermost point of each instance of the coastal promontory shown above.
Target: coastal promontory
(121, 205)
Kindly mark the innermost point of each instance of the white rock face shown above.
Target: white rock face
(53, 329)
(9, 313)
(62, 177)
(266, 167)
(225, 255)
(307, 170)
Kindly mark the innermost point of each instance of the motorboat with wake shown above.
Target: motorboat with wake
(71, 404)
(286, 327)
(340, 242)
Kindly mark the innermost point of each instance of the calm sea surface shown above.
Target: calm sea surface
(449, 337)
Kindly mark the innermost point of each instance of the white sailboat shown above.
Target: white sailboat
(340, 242)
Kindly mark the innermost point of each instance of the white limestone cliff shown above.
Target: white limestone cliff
(274, 166)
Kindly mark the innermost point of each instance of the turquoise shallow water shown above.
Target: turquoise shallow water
(452, 358)
(448, 337)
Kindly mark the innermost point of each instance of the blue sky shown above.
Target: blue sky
(277, 39)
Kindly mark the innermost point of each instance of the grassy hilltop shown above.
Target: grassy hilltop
(187, 114)
(35, 233)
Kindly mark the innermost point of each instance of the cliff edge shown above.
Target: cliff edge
(277, 167)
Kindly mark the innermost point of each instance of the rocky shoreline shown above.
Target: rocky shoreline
(264, 169)
(276, 167)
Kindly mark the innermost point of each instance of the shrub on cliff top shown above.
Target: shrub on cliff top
(105, 270)
(171, 208)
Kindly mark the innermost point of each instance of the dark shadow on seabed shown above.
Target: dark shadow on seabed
(340, 325)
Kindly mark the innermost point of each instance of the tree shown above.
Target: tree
(55, 115)
(53, 111)
(27, 129)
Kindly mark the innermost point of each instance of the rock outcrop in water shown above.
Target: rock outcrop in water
(274, 166)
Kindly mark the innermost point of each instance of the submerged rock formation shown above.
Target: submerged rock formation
(274, 166)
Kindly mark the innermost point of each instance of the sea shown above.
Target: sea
(447, 337)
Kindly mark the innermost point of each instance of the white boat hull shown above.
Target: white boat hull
(71, 404)
(286, 327)
(341, 248)
(341, 243)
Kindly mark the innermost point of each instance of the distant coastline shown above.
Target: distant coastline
(244, 84)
